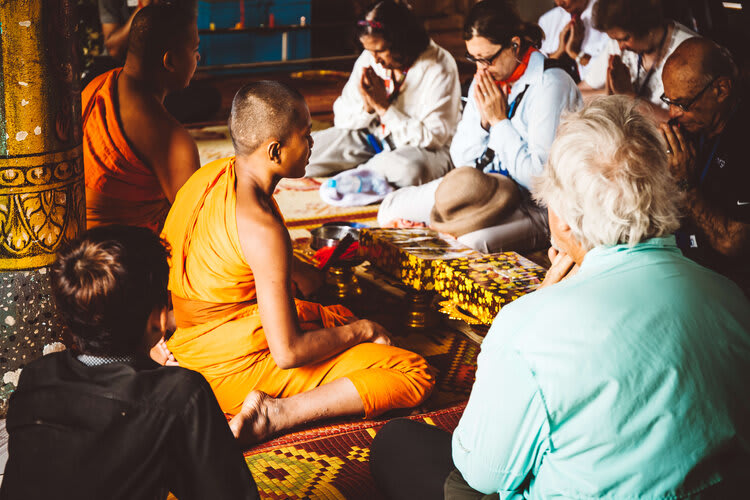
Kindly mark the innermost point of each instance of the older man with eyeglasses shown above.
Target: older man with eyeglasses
(706, 141)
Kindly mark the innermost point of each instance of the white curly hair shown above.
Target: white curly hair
(607, 176)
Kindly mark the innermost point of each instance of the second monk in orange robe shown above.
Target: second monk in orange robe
(135, 154)
(272, 360)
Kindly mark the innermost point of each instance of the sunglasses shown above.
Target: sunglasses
(685, 107)
(482, 60)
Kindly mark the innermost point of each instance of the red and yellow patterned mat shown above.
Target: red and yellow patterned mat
(332, 461)
(328, 463)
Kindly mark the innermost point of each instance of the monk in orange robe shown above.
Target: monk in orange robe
(273, 361)
(136, 156)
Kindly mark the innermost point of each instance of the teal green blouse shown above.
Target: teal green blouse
(616, 382)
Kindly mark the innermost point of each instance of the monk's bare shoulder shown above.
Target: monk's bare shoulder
(263, 237)
(152, 130)
(158, 139)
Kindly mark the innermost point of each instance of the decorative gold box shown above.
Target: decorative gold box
(412, 256)
(481, 286)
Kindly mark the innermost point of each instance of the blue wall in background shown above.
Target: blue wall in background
(231, 48)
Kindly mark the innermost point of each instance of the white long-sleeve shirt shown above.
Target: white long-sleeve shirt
(521, 143)
(426, 110)
(653, 88)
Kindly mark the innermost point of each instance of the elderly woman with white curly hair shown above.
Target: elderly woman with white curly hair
(620, 380)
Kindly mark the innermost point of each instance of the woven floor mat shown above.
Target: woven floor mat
(328, 463)
(331, 461)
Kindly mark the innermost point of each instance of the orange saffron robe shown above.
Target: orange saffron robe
(120, 187)
(219, 331)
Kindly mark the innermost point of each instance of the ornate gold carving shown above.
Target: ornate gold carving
(41, 205)
(12, 177)
(39, 175)
(453, 311)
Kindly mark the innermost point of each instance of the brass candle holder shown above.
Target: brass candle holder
(343, 280)
(418, 309)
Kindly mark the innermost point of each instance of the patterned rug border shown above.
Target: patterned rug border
(328, 431)
(360, 216)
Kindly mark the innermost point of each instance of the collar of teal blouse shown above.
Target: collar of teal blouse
(607, 256)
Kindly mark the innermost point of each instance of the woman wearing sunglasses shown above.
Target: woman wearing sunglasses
(511, 115)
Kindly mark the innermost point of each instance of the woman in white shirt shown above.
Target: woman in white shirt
(510, 119)
(641, 40)
(398, 112)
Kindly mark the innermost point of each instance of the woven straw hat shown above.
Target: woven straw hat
(468, 200)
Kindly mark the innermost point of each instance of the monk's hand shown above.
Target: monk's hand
(681, 155)
(307, 278)
(373, 91)
(369, 331)
(491, 100)
(162, 355)
(563, 266)
(618, 77)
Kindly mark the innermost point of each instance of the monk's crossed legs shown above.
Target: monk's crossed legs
(366, 379)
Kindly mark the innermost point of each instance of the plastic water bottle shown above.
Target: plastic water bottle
(361, 183)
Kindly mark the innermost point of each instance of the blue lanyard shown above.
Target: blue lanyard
(516, 102)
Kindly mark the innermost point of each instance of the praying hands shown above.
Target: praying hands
(618, 77)
(681, 155)
(571, 38)
(491, 101)
(373, 91)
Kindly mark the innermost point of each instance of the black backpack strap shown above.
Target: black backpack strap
(566, 64)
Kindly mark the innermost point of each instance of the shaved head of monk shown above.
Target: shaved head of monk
(164, 43)
(270, 118)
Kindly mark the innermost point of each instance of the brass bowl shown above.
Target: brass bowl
(329, 235)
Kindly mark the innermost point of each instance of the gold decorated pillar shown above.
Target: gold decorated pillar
(41, 172)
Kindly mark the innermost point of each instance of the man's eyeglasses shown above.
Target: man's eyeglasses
(482, 60)
(685, 107)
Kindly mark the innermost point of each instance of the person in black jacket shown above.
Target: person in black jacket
(102, 420)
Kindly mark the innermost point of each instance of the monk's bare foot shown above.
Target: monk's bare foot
(252, 424)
